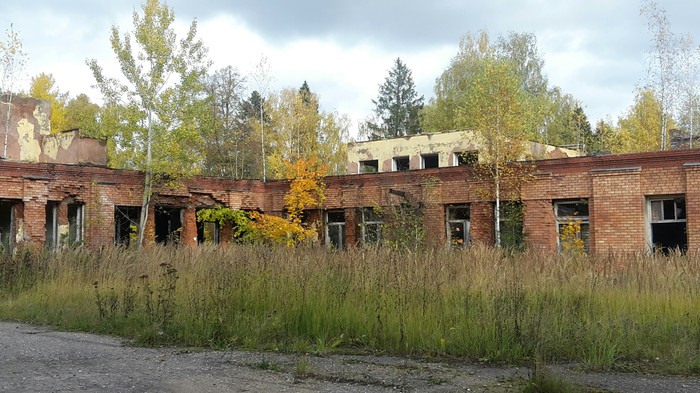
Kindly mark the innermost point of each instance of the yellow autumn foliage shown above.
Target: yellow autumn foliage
(305, 191)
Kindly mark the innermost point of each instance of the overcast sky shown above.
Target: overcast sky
(594, 50)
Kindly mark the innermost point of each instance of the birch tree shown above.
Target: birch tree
(298, 130)
(497, 106)
(156, 103)
(12, 62)
(688, 68)
(662, 65)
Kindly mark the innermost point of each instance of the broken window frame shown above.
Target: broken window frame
(425, 164)
(465, 158)
(371, 226)
(401, 163)
(368, 166)
(457, 221)
(679, 217)
(576, 214)
(335, 229)
(122, 215)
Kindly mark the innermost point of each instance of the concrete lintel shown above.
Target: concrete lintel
(691, 164)
(625, 169)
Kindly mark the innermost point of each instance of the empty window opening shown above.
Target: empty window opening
(511, 224)
(667, 224)
(466, 158)
(7, 219)
(458, 225)
(207, 232)
(369, 166)
(126, 224)
(371, 226)
(335, 228)
(401, 164)
(75, 223)
(51, 237)
(429, 161)
(168, 224)
(573, 228)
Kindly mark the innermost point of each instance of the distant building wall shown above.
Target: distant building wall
(446, 145)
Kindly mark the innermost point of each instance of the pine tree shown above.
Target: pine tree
(398, 107)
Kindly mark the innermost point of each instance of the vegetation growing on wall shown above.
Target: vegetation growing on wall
(306, 191)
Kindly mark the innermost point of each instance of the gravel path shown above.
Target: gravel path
(37, 359)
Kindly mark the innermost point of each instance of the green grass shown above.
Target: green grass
(617, 312)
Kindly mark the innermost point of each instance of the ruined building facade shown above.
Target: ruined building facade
(632, 202)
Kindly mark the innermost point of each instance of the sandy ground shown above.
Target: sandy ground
(37, 359)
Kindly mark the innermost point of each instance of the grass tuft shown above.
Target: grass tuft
(612, 312)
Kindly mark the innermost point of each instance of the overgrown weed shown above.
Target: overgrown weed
(608, 312)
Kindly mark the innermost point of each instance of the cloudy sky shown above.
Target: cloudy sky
(594, 50)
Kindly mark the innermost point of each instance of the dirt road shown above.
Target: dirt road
(37, 359)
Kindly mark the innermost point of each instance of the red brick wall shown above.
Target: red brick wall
(617, 211)
(616, 195)
(692, 205)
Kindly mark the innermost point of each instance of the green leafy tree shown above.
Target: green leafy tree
(398, 107)
(155, 113)
(606, 139)
(299, 131)
(550, 109)
(497, 106)
(248, 122)
(226, 140)
(43, 87)
(83, 114)
(639, 128)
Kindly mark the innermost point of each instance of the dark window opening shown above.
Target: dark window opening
(466, 158)
(668, 225)
(126, 224)
(401, 164)
(7, 213)
(335, 228)
(168, 224)
(430, 161)
(458, 225)
(369, 166)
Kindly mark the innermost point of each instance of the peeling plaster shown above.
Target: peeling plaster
(55, 142)
(43, 119)
(29, 148)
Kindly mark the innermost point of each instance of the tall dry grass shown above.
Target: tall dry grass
(616, 311)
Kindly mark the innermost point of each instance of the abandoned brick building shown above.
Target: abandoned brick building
(58, 193)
